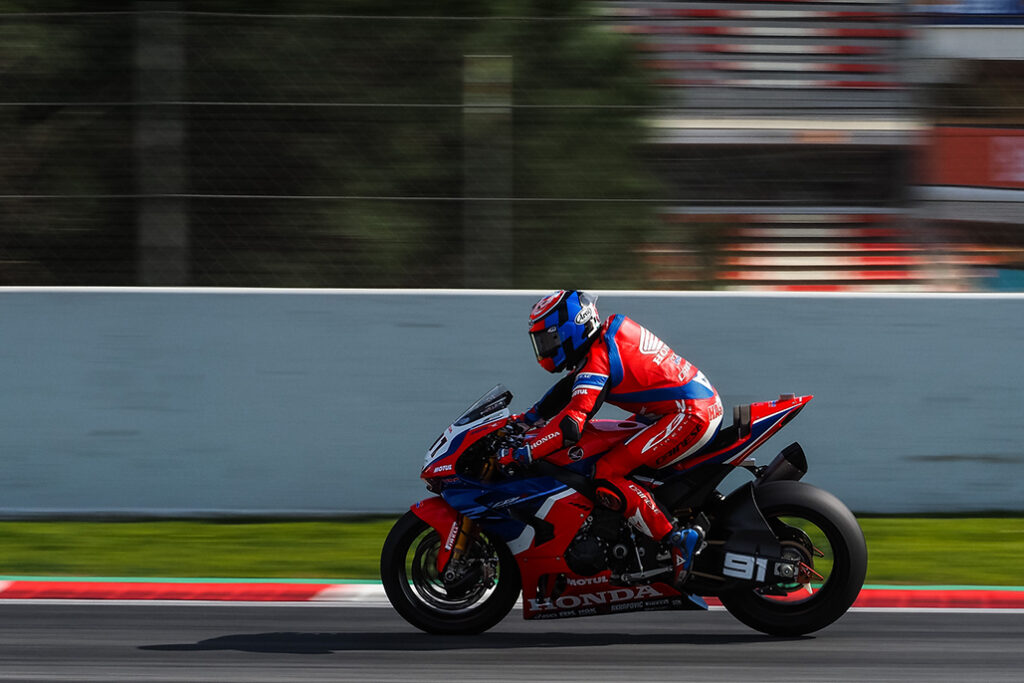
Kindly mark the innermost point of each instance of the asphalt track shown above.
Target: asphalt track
(113, 641)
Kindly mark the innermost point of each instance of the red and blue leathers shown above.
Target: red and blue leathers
(629, 367)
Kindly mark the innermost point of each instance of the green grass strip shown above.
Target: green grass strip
(194, 549)
(947, 552)
(973, 551)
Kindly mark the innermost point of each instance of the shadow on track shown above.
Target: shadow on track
(326, 643)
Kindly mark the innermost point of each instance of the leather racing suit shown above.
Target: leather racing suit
(629, 367)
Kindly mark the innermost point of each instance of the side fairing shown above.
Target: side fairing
(521, 512)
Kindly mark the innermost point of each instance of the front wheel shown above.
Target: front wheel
(820, 533)
(480, 598)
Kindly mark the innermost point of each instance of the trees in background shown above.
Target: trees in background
(330, 144)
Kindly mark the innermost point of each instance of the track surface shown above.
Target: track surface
(203, 642)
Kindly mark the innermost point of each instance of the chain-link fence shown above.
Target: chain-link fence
(468, 143)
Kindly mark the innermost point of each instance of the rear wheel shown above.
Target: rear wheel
(822, 537)
(475, 601)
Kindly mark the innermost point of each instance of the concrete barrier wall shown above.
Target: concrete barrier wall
(309, 402)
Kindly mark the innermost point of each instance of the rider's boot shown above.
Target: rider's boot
(685, 544)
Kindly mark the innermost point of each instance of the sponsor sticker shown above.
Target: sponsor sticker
(452, 535)
(588, 581)
(617, 599)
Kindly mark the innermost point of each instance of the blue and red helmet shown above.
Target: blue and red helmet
(562, 327)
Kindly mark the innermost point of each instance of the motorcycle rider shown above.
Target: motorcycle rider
(622, 363)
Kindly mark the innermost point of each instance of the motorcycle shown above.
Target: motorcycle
(782, 556)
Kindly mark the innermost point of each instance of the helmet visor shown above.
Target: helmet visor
(546, 342)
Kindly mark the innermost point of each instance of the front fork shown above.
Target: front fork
(467, 528)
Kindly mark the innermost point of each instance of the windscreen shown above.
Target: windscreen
(493, 401)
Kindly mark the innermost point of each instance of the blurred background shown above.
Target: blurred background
(763, 145)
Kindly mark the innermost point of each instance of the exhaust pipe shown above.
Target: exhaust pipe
(788, 465)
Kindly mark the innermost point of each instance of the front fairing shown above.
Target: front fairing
(487, 414)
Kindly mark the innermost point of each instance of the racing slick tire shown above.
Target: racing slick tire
(793, 610)
(478, 600)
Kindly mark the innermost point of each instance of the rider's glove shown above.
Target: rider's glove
(513, 459)
(524, 422)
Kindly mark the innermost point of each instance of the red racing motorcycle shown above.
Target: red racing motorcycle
(782, 556)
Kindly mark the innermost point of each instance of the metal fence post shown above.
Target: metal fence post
(487, 171)
(159, 142)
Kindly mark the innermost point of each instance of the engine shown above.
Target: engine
(605, 541)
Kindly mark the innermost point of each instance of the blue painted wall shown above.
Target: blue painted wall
(199, 402)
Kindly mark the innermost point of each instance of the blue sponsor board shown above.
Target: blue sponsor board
(970, 11)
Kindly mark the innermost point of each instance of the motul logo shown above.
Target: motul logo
(588, 581)
(591, 599)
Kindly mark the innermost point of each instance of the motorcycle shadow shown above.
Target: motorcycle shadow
(327, 643)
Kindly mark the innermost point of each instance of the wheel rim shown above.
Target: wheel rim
(816, 547)
(423, 584)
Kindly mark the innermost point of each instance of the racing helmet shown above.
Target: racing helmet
(563, 325)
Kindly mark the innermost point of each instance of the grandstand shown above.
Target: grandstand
(794, 130)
